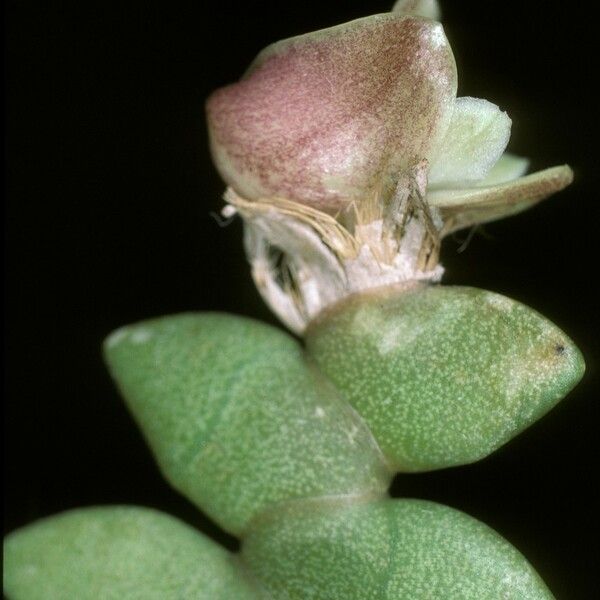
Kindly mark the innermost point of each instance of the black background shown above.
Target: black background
(109, 220)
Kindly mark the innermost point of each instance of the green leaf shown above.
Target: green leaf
(387, 550)
(237, 419)
(107, 553)
(443, 375)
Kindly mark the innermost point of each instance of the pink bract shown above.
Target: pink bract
(333, 116)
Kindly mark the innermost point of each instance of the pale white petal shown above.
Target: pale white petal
(419, 8)
(478, 134)
(508, 168)
(466, 207)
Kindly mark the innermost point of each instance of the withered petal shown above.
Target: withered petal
(464, 208)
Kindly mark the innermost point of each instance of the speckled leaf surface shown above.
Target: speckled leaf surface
(112, 553)
(237, 420)
(443, 375)
(387, 550)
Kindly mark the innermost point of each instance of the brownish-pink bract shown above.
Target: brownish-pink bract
(329, 118)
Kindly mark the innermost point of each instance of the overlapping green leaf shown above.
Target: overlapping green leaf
(237, 419)
(387, 550)
(118, 553)
(442, 375)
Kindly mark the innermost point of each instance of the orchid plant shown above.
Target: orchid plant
(349, 157)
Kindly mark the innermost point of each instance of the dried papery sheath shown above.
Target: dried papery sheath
(349, 158)
(304, 260)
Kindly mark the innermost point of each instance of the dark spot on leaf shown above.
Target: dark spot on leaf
(559, 349)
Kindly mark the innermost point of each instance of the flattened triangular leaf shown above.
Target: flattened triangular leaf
(443, 375)
(237, 419)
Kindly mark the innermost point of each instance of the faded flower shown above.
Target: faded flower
(349, 157)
